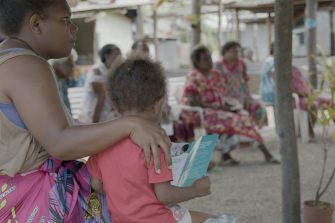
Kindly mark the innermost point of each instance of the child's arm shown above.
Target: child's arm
(97, 185)
(169, 194)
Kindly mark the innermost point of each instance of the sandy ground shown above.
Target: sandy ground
(252, 191)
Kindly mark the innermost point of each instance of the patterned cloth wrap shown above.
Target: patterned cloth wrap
(59, 191)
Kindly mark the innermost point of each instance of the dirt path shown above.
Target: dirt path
(252, 190)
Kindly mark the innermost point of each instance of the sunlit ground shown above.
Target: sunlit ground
(252, 190)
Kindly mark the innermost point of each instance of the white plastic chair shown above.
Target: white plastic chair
(300, 120)
(175, 90)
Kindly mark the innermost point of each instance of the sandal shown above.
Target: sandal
(211, 166)
(273, 160)
(227, 159)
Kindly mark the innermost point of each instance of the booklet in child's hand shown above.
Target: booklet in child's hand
(192, 164)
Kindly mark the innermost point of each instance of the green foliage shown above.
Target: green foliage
(326, 117)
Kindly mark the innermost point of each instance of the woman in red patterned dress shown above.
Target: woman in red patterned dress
(205, 87)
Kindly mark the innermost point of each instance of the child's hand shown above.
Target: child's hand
(202, 186)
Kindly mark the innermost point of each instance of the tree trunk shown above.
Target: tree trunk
(139, 24)
(196, 22)
(332, 33)
(269, 26)
(219, 35)
(237, 18)
(311, 40)
(155, 34)
(286, 130)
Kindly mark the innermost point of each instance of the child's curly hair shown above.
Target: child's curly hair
(137, 83)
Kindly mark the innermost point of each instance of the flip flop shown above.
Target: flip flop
(231, 162)
(273, 160)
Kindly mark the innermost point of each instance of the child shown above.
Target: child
(136, 193)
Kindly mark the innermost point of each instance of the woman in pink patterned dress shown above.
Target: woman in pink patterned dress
(205, 87)
(234, 71)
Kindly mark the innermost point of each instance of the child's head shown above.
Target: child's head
(138, 86)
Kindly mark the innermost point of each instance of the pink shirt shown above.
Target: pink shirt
(129, 184)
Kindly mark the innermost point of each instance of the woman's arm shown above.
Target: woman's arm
(169, 194)
(34, 92)
(99, 91)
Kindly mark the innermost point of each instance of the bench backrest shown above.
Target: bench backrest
(175, 90)
(76, 98)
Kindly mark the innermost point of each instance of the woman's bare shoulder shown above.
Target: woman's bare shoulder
(22, 71)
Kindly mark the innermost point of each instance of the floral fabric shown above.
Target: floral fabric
(58, 192)
(237, 87)
(212, 90)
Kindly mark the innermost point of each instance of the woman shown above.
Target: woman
(206, 87)
(299, 85)
(96, 106)
(267, 85)
(234, 71)
(36, 183)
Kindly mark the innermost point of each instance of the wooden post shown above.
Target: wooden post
(196, 22)
(237, 18)
(332, 33)
(310, 22)
(269, 26)
(219, 35)
(286, 131)
(155, 34)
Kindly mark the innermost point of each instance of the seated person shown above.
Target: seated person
(234, 70)
(137, 87)
(205, 87)
(64, 68)
(299, 85)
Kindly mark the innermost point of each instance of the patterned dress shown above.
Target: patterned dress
(210, 90)
(302, 87)
(59, 191)
(237, 87)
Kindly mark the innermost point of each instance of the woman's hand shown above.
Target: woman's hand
(151, 137)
